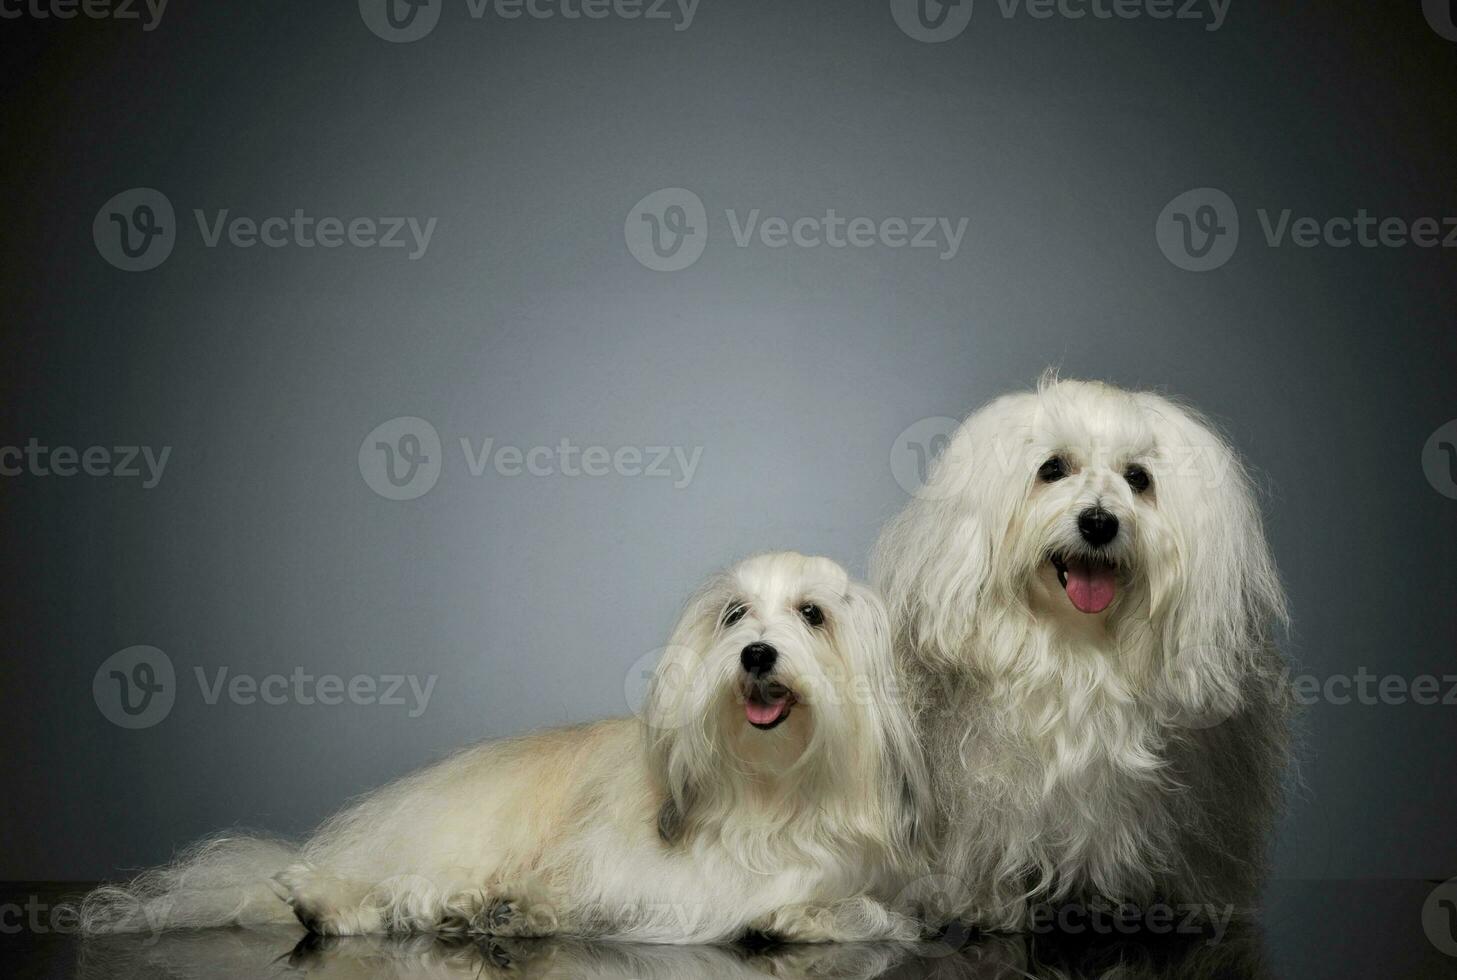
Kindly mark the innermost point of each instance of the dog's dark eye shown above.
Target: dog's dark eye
(1137, 477)
(812, 614)
(1052, 470)
(733, 613)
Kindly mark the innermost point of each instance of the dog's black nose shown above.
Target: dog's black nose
(758, 658)
(1097, 526)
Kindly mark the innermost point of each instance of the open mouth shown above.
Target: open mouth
(767, 704)
(1091, 584)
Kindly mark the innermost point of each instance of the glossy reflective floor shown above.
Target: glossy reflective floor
(1311, 930)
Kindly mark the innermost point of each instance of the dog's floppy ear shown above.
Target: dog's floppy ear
(673, 818)
(1217, 601)
(934, 561)
(678, 752)
(902, 786)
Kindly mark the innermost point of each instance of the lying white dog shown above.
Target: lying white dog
(1084, 595)
(772, 784)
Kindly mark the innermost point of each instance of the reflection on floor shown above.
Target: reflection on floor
(1329, 929)
(238, 954)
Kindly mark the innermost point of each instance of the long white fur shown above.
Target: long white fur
(1135, 754)
(687, 825)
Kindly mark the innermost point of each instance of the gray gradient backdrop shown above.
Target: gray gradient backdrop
(529, 321)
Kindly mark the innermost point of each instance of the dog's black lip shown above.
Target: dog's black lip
(1061, 567)
(767, 692)
(1059, 563)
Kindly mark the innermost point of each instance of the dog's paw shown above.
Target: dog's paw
(852, 920)
(794, 924)
(325, 905)
(512, 918)
(460, 916)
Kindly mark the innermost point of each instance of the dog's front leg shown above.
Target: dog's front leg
(860, 919)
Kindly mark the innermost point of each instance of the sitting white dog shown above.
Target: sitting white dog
(772, 784)
(1084, 595)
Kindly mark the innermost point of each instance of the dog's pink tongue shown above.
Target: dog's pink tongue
(1090, 587)
(765, 714)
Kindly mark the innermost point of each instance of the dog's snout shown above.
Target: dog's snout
(1097, 526)
(758, 658)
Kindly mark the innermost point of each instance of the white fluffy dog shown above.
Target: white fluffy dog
(1085, 598)
(772, 784)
